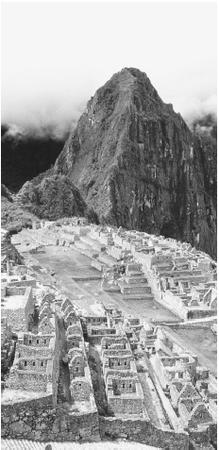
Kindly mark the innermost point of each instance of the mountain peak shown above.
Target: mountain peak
(137, 165)
(131, 75)
(133, 71)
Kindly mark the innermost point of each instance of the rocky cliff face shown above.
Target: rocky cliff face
(137, 164)
(53, 197)
(13, 216)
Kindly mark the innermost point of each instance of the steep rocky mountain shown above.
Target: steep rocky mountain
(23, 156)
(138, 165)
(53, 197)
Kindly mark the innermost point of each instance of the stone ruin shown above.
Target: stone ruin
(33, 364)
(81, 389)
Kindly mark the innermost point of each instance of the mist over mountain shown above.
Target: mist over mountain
(26, 153)
(29, 150)
(205, 125)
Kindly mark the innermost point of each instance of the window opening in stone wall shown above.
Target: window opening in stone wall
(25, 363)
(41, 364)
(34, 363)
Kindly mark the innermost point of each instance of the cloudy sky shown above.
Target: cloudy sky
(55, 55)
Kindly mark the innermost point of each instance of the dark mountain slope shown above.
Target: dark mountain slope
(137, 164)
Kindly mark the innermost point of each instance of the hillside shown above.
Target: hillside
(137, 164)
(53, 197)
(13, 216)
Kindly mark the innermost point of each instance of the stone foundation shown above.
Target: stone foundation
(142, 431)
(37, 420)
(126, 405)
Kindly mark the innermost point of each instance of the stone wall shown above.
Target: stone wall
(80, 389)
(142, 431)
(28, 351)
(38, 364)
(190, 326)
(29, 304)
(126, 405)
(16, 318)
(56, 360)
(38, 420)
(15, 290)
(96, 339)
(23, 283)
(200, 313)
(26, 380)
(174, 304)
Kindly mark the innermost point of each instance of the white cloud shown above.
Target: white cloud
(55, 55)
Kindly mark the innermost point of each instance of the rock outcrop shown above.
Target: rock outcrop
(13, 216)
(53, 197)
(138, 165)
(6, 193)
(8, 249)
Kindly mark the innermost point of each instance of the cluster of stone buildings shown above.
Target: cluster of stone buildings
(17, 290)
(190, 387)
(187, 284)
(46, 331)
(34, 360)
(80, 387)
(147, 373)
(143, 266)
(107, 331)
(123, 388)
(184, 393)
(139, 265)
